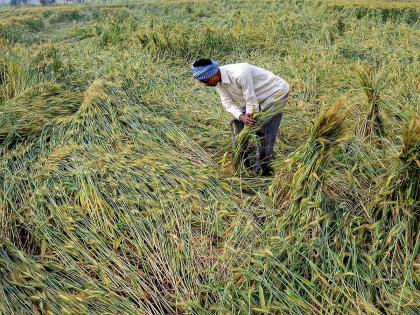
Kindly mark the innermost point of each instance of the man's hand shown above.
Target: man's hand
(247, 119)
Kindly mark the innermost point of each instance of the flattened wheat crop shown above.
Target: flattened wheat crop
(118, 191)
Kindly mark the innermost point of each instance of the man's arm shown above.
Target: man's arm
(247, 84)
(229, 104)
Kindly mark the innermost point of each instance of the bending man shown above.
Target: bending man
(256, 89)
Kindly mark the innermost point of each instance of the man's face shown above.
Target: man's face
(212, 81)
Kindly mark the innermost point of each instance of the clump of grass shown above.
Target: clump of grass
(26, 115)
(164, 39)
(410, 154)
(14, 77)
(115, 30)
(309, 161)
(394, 222)
(383, 11)
(65, 16)
(45, 59)
(248, 140)
(371, 86)
(112, 169)
(23, 276)
(401, 190)
(85, 31)
(15, 29)
(361, 248)
(113, 33)
(181, 40)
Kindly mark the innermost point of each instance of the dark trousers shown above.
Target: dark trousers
(267, 137)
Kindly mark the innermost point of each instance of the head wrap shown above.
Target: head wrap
(205, 72)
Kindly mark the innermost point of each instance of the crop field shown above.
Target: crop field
(118, 187)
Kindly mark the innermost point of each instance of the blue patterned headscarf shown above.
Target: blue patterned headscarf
(205, 72)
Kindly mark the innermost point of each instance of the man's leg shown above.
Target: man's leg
(269, 135)
(237, 126)
(264, 154)
(268, 140)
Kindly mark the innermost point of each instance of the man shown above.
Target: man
(256, 89)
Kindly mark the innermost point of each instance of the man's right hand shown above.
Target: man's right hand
(247, 119)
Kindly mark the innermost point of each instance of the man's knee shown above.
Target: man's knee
(274, 123)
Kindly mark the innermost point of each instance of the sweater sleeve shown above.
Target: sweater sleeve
(228, 103)
(247, 84)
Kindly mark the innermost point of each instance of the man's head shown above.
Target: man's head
(206, 71)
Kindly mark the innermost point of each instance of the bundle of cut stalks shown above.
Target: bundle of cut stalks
(248, 139)
(13, 77)
(371, 86)
(310, 159)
